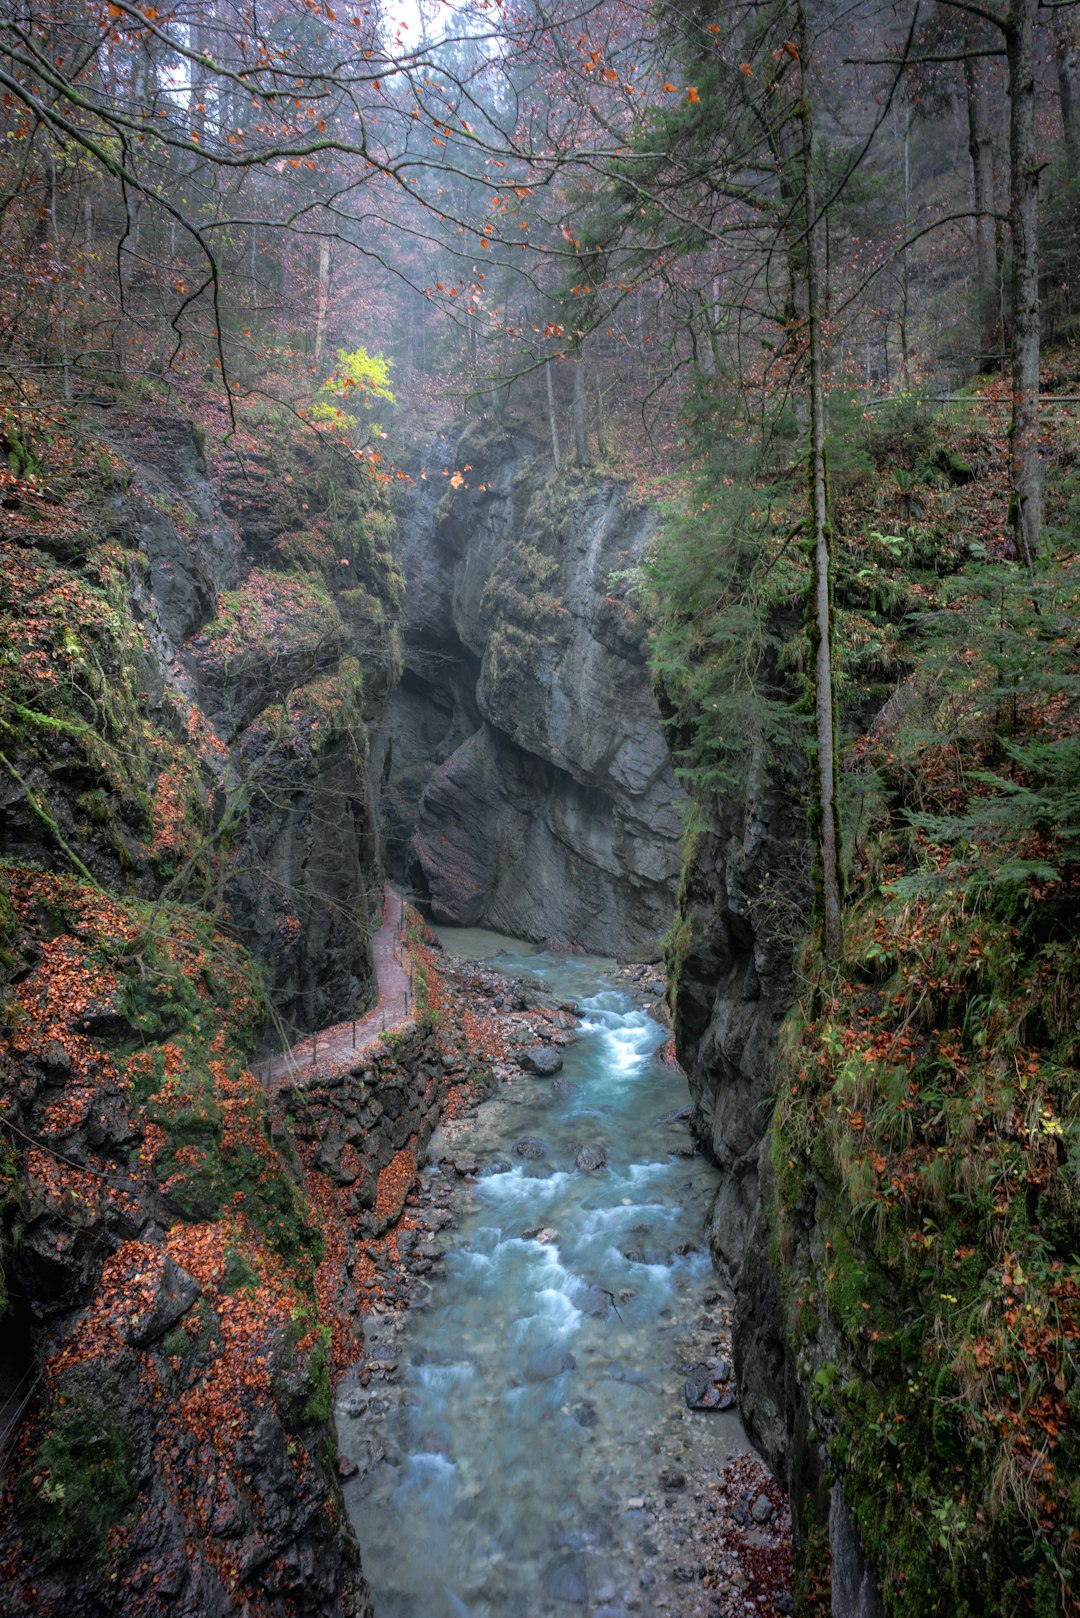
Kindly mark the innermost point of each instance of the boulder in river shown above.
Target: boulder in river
(531, 1148)
(541, 1060)
(540, 1233)
(590, 1157)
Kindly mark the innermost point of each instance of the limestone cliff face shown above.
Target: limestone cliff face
(267, 594)
(525, 728)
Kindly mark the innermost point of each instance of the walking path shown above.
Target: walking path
(335, 1050)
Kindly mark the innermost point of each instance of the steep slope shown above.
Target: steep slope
(900, 1131)
(525, 726)
(191, 657)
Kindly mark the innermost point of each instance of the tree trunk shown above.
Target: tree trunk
(905, 262)
(1026, 509)
(601, 437)
(552, 417)
(324, 298)
(981, 148)
(824, 818)
(580, 448)
(61, 291)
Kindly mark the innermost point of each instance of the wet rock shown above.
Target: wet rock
(466, 1165)
(590, 1157)
(501, 1167)
(671, 1479)
(761, 1510)
(346, 1467)
(57, 1064)
(593, 1300)
(433, 1441)
(541, 1060)
(174, 1295)
(108, 1126)
(547, 1363)
(540, 1233)
(855, 1588)
(530, 1148)
(708, 1388)
(568, 1581)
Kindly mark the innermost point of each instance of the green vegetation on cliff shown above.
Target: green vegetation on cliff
(925, 1183)
(189, 659)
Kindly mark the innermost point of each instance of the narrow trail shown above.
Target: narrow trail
(335, 1050)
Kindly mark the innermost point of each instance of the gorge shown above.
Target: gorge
(539, 810)
(175, 1314)
(246, 631)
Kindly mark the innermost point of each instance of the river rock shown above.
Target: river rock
(540, 1233)
(592, 1300)
(567, 1581)
(541, 1060)
(590, 1157)
(547, 1363)
(706, 1389)
(530, 1148)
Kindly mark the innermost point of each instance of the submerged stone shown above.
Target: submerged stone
(567, 1581)
(530, 1148)
(547, 1363)
(591, 1157)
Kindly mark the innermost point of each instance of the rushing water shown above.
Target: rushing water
(541, 1392)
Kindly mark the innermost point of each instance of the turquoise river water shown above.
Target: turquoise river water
(536, 1410)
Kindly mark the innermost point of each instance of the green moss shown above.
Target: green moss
(240, 1274)
(319, 1404)
(79, 1483)
(177, 1344)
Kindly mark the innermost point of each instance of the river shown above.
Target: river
(535, 1453)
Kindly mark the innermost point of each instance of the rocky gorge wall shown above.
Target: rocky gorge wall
(899, 1208)
(192, 655)
(530, 787)
(206, 722)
